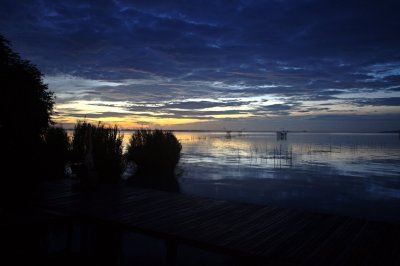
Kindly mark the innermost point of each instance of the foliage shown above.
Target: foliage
(26, 106)
(56, 151)
(26, 102)
(154, 150)
(103, 146)
(156, 154)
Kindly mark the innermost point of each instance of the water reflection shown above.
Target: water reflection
(352, 174)
(348, 154)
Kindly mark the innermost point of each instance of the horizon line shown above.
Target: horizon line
(259, 131)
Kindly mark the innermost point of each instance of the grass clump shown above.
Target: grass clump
(155, 154)
(97, 149)
(56, 152)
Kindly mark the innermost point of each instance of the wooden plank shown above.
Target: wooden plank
(280, 236)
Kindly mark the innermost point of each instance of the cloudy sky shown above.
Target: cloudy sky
(259, 65)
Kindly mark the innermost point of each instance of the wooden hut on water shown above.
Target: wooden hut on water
(281, 135)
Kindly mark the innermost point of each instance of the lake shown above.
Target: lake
(340, 173)
(344, 174)
(348, 174)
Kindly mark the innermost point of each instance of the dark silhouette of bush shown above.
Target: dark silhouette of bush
(26, 105)
(97, 153)
(155, 154)
(56, 152)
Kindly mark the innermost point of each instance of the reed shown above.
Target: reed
(154, 150)
(98, 149)
(55, 153)
(156, 154)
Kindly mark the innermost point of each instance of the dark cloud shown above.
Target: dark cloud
(193, 105)
(313, 109)
(151, 36)
(277, 109)
(192, 110)
(96, 115)
(394, 101)
(393, 78)
(177, 53)
(355, 118)
(204, 104)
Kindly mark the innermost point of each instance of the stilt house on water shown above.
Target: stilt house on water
(281, 135)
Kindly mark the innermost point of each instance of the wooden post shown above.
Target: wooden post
(171, 249)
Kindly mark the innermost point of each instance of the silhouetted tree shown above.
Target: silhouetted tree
(26, 105)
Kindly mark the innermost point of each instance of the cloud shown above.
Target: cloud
(394, 101)
(204, 104)
(94, 115)
(177, 54)
(277, 109)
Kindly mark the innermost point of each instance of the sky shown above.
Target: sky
(215, 65)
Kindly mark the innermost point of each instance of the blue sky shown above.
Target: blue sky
(258, 65)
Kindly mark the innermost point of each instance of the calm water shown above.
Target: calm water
(347, 174)
(350, 174)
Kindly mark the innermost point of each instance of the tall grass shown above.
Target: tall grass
(156, 154)
(99, 149)
(56, 152)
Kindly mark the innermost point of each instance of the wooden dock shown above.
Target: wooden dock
(263, 234)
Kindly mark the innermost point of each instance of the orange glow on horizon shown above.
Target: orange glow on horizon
(128, 122)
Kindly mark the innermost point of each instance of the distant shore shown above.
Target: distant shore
(265, 131)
